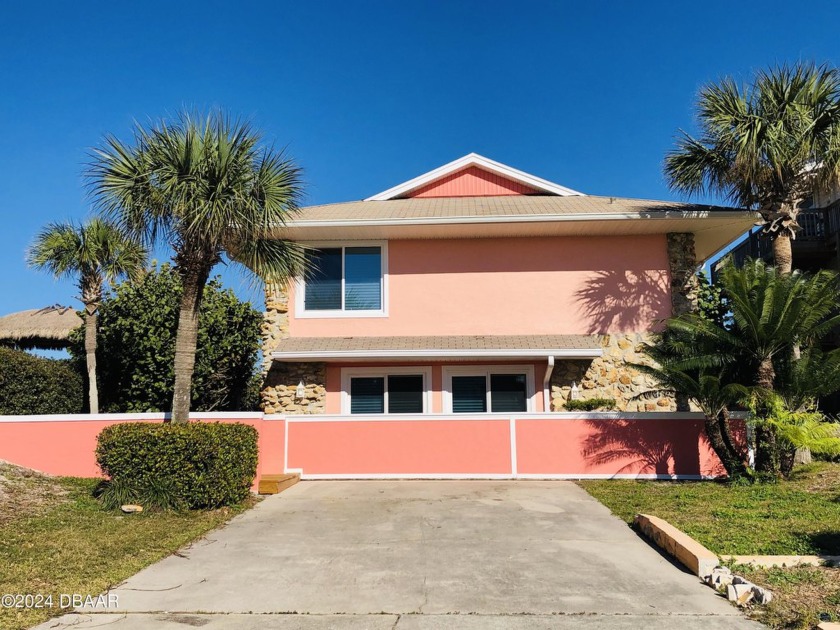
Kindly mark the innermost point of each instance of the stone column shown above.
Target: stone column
(275, 324)
(280, 380)
(682, 266)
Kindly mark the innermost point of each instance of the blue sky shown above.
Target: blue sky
(368, 94)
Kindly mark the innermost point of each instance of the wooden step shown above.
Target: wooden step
(273, 484)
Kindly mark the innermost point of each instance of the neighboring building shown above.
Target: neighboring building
(816, 244)
(477, 288)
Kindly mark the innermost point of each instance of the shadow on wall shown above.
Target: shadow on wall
(618, 299)
(666, 447)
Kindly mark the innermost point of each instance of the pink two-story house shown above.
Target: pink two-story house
(450, 318)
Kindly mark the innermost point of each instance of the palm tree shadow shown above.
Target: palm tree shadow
(639, 447)
(619, 299)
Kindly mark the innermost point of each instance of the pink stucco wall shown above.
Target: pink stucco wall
(462, 446)
(551, 285)
(645, 445)
(472, 182)
(65, 445)
(491, 445)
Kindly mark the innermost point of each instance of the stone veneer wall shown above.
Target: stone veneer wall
(282, 379)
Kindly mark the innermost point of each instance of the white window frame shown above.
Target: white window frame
(487, 371)
(300, 285)
(370, 372)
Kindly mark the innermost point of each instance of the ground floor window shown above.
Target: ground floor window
(392, 391)
(479, 389)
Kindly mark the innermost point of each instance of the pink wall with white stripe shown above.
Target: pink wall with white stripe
(651, 445)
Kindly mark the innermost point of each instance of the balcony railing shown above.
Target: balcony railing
(817, 226)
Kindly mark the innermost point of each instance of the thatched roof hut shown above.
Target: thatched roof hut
(45, 328)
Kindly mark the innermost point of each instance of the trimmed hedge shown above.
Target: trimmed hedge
(31, 385)
(199, 464)
(590, 404)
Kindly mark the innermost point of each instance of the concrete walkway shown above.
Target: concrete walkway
(418, 555)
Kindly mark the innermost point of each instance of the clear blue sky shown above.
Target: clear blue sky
(369, 94)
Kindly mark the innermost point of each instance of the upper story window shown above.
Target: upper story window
(348, 281)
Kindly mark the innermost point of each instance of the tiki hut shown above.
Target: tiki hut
(46, 328)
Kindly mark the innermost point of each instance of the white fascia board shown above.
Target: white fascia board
(473, 159)
(565, 353)
(532, 218)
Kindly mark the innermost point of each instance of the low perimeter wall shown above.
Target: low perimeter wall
(658, 445)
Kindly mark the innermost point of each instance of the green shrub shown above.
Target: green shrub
(135, 353)
(590, 404)
(32, 385)
(194, 465)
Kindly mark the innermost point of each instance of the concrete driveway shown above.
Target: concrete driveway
(406, 555)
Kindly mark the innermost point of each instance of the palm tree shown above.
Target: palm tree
(713, 390)
(95, 253)
(765, 147)
(771, 314)
(207, 189)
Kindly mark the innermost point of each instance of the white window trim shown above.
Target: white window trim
(347, 373)
(487, 371)
(300, 284)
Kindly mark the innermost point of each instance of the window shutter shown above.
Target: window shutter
(469, 394)
(367, 395)
(362, 278)
(323, 287)
(508, 393)
(405, 394)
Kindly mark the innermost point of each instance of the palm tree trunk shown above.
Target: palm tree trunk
(766, 450)
(783, 254)
(90, 356)
(734, 467)
(185, 341)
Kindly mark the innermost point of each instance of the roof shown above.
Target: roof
(45, 328)
(430, 347)
(518, 216)
(474, 160)
(481, 208)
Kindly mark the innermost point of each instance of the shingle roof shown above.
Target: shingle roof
(504, 206)
(438, 345)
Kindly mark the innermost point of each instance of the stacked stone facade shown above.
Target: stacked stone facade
(609, 376)
(279, 393)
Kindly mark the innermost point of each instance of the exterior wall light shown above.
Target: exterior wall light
(300, 392)
(574, 394)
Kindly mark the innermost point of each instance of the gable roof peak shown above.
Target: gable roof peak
(486, 164)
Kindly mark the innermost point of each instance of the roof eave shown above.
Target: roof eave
(437, 354)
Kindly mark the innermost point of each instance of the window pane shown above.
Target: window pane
(405, 394)
(362, 279)
(367, 395)
(507, 392)
(469, 394)
(323, 288)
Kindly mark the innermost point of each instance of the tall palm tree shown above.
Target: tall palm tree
(772, 313)
(95, 253)
(765, 147)
(205, 187)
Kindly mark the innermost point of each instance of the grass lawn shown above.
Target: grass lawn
(55, 538)
(800, 516)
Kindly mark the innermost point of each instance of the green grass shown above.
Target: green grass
(70, 544)
(800, 516)
(802, 596)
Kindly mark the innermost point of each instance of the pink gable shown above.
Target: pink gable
(472, 182)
